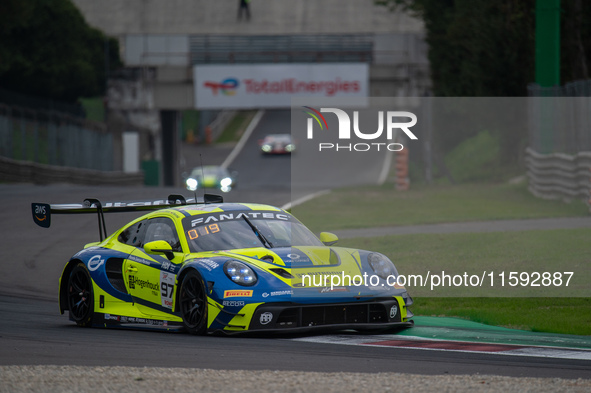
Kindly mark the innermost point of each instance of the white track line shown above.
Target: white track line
(303, 199)
(253, 124)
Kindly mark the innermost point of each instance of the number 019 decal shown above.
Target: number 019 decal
(166, 288)
(204, 230)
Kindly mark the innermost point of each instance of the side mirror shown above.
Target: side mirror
(158, 247)
(328, 238)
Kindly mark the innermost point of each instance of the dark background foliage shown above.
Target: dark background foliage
(48, 50)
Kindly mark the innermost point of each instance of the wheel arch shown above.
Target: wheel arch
(179, 280)
(63, 300)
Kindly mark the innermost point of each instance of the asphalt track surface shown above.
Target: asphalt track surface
(33, 332)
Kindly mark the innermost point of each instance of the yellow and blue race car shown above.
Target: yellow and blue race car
(223, 267)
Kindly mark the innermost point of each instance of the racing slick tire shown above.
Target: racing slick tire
(80, 296)
(193, 303)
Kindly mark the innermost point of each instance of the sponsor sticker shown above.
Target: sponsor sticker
(278, 293)
(335, 289)
(238, 293)
(41, 214)
(208, 264)
(95, 262)
(139, 260)
(233, 303)
(265, 318)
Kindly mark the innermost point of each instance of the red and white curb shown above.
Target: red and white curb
(421, 343)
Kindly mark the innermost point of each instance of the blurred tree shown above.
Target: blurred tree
(47, 49)
(486, 48)
(483, 48)
(477, 47)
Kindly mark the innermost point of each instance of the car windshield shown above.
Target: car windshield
(208, 171)
(240, 229)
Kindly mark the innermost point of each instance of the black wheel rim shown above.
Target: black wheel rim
(192, 301)
(79, 295)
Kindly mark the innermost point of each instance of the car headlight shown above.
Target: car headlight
(381, 265)
(191, 184)
(290, 147)
(240, 273)
(266, 148)
(226, 182)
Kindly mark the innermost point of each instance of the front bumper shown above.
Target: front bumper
(286, 318)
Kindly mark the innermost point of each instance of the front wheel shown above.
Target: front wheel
(80, 296)
(193, 303)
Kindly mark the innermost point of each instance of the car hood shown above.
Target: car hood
(306, 260)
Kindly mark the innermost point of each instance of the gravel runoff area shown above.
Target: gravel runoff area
(147, 379)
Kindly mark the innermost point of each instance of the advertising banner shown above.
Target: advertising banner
(274, 85)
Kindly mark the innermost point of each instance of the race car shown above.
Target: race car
(277, 144)
(231, 268)
(212, 177)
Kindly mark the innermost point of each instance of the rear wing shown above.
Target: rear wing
(42, 212)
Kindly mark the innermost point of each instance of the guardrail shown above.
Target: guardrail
(32, 172)
(559, 176)
(54, 138)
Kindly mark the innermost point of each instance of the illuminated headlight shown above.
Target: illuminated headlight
(381, 265)
(290, 148)
(266, 148)
(240, 273)
(191, 184)
(226, 182)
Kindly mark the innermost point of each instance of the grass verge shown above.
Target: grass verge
(236, 127)
(375, 206)
(552, 315)
(475, 253)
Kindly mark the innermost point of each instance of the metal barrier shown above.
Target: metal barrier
(560, 118)
(44, 147)
(54, 138)
(559, 176)
(31, 172)
(206, 49)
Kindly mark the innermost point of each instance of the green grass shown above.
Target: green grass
(475, 158)
(376, 206)
(94, 108)
(552, 315)
(236, 127)
(475, 253)
(190, 125)
(562, 250)
(526, 251)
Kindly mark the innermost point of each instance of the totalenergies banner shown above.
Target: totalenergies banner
(274, 85)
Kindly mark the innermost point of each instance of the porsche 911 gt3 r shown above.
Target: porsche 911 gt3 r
(221, 267)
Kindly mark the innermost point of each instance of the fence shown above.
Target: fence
(558, 158)
(53, 138)
(560, 118)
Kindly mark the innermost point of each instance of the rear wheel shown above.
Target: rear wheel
(80, 296)
(193, 303)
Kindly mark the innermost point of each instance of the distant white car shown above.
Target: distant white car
(277, 144)
(211, 177)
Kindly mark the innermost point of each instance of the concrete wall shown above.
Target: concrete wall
(122, 17)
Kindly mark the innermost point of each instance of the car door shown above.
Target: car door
(150, 278)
